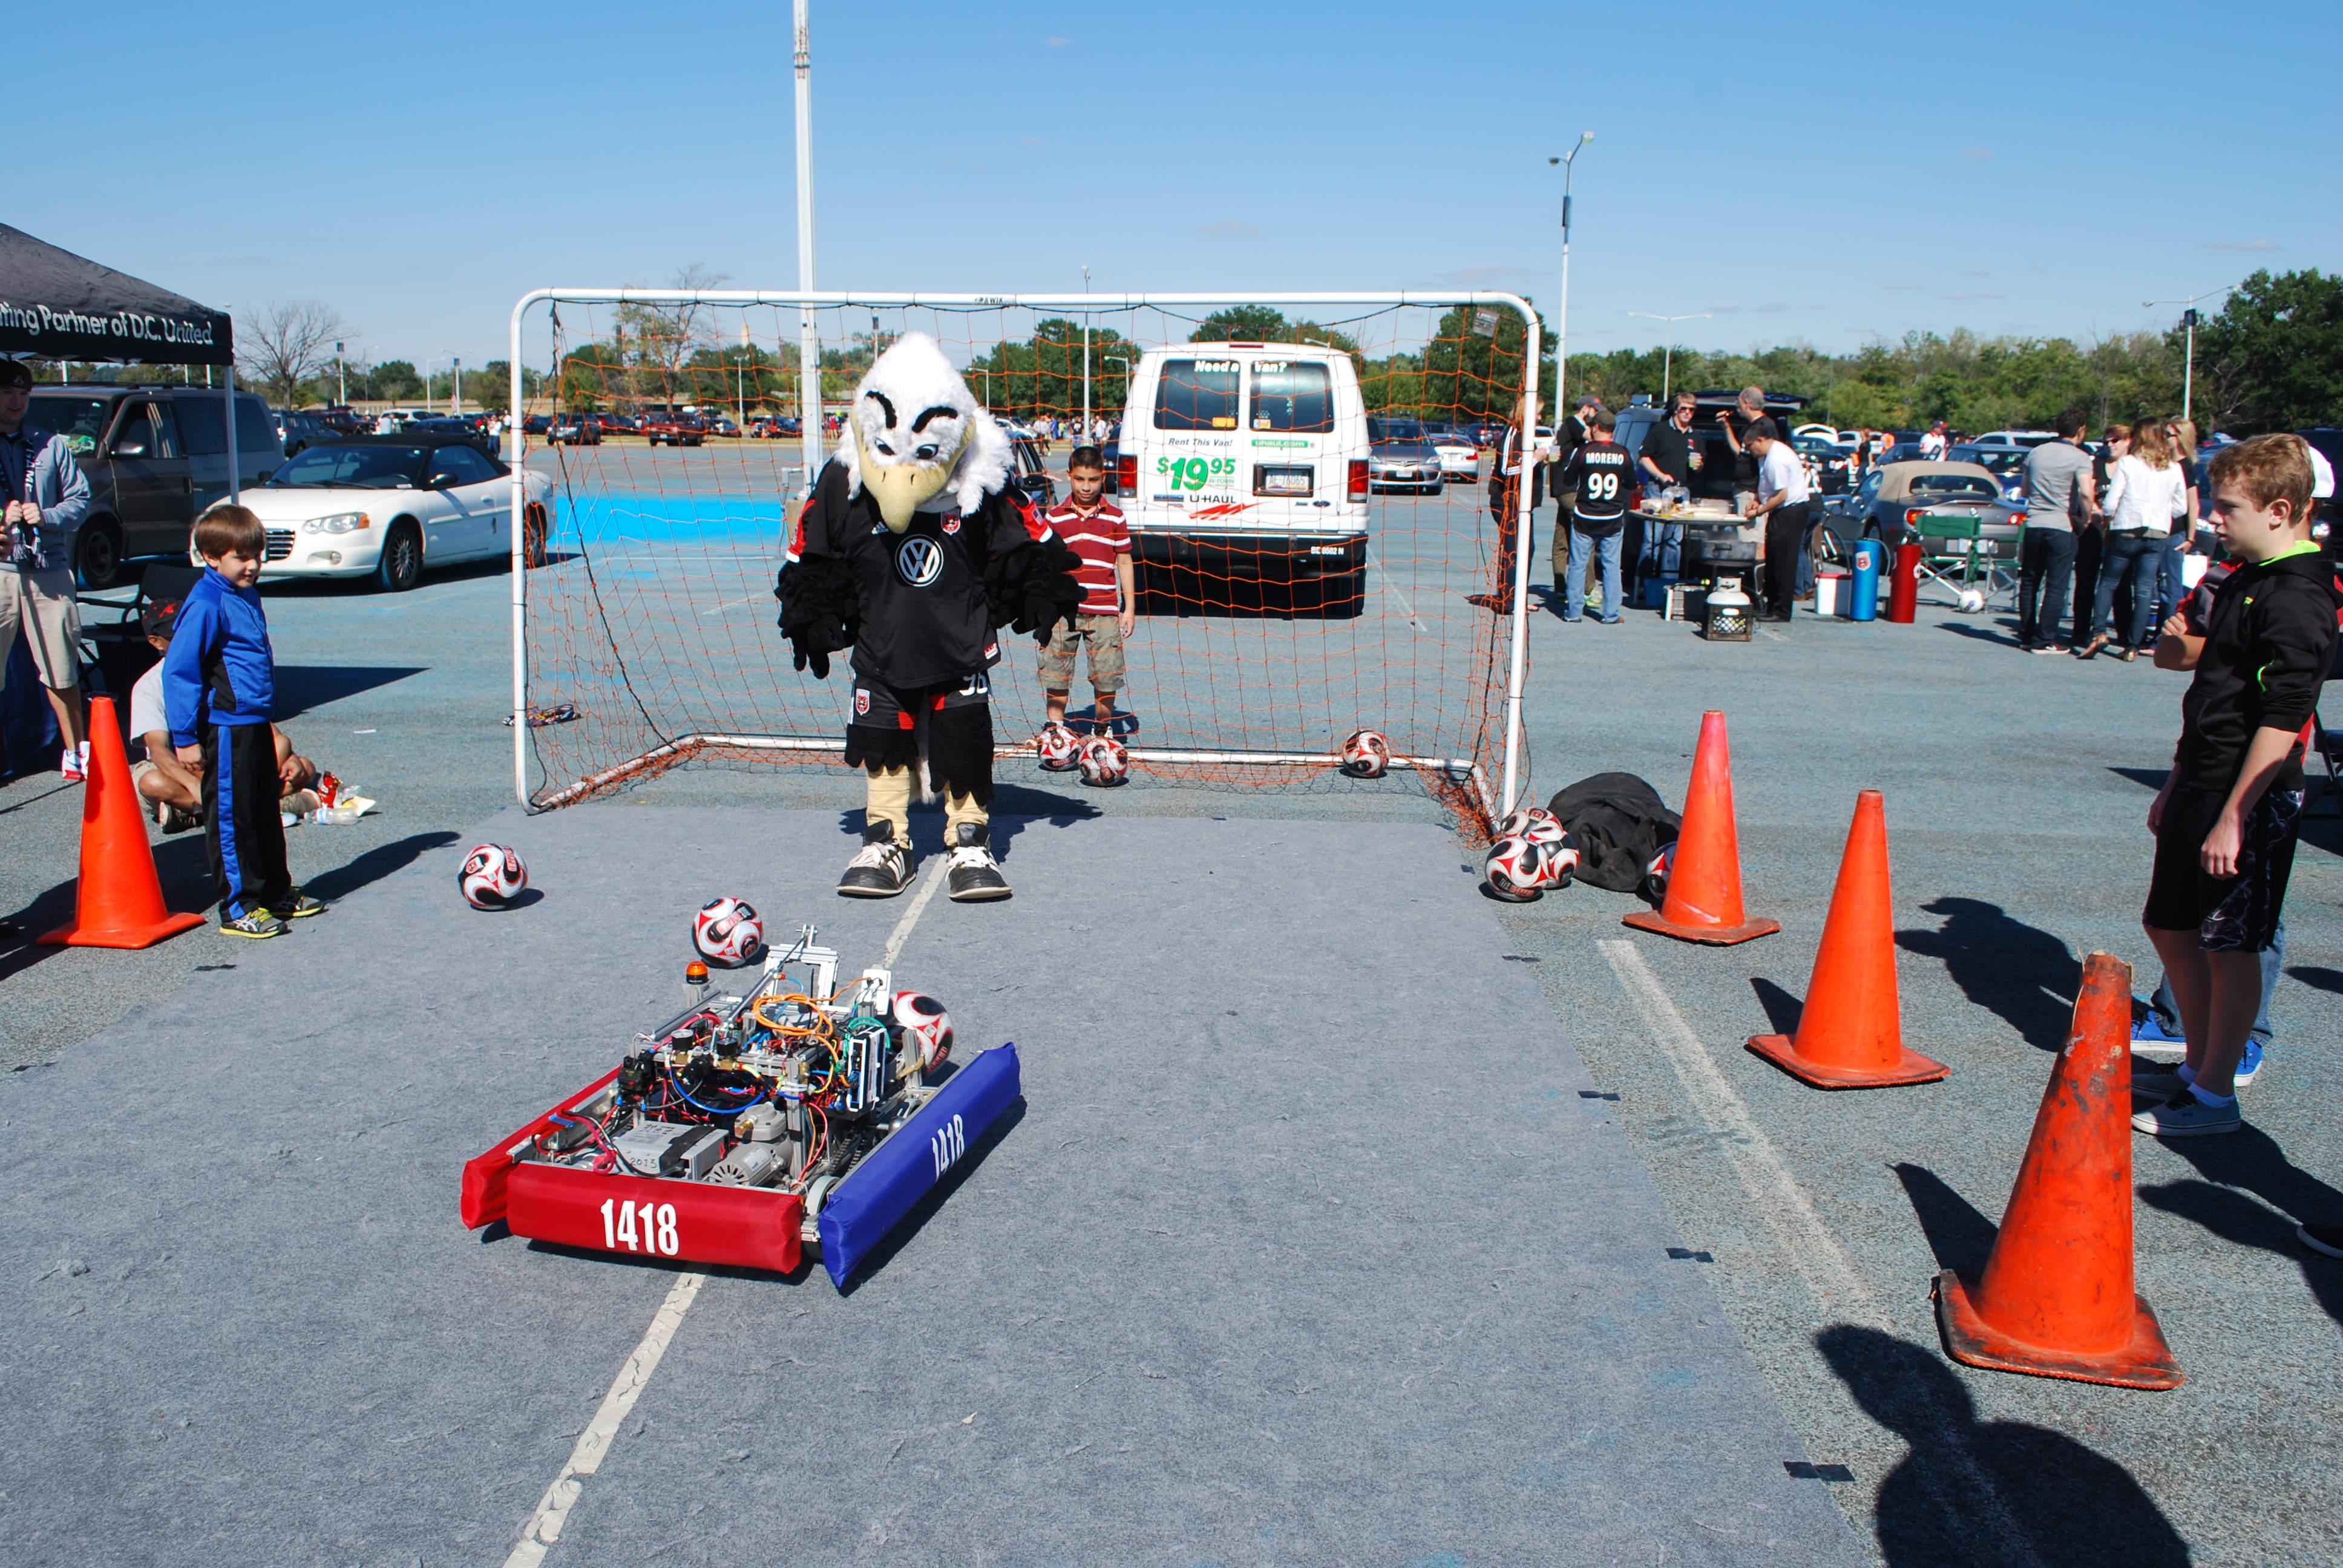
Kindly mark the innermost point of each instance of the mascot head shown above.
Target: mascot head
(920, 442)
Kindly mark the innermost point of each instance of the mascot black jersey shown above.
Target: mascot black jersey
(918, 606)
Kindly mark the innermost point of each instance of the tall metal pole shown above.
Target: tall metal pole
(341, 378)
(458, 410)
(2188, 359)
(809, 344)
(1562, 314)
(1083, 435)
(1667, 360)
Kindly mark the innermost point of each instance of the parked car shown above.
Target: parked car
(535, 424)
(154, 457)
(720, 425)
(1891, 500)
(1032, 476)
(2007, 463)
(303, 430)
(620, 424)
(1401, 463)
(675, 430)
(1385, 428)
(773, 428)
(576, 430)
(446, 427)
(2028, 439)
(1460, 456)
(1828, 467)
(1822, 432)
(388, 507)
(342, 420)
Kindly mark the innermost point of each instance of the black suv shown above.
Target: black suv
(154, 457)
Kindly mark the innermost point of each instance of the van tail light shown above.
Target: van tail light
(1357, 489)
(1126, 474)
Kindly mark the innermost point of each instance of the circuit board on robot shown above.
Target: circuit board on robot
(748, 1128)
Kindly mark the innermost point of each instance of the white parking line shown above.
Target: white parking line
(1805, 1244)
(593, 1444)
(1392, 588)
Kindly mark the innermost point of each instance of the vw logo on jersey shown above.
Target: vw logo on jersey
(920, 560)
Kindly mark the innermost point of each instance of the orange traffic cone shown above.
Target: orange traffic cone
(1851, 1035)
(121, 900)
(2056, 1297)
(1703, 900)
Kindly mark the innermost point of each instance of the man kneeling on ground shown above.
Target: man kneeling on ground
(168, 786)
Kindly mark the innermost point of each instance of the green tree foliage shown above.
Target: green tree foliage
(1241, 324)
(2273, 358)
(1042, 375)
(1461, 375)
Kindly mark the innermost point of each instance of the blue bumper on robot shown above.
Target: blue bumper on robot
(896, 1175)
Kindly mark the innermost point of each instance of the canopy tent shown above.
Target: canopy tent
(54, 305)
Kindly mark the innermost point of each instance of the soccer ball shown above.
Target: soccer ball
(1562, 858)
(492, 877)
(1513, 824)
(1515, 870)
(727, 932)
(1056, 747)
(927, 1029)
(1972, 601)
(1656, 874)
(1104, 760)
(1366, 754)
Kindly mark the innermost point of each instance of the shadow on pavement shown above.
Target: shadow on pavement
(1980, 633)
(302, 686)
(2066, 1503)
(375, 865)
(2319, 979)
(1014, 808)
(2027, 977)
(2251, 1162)
(1782, 1010)
(2146, 777)
(1960, 1236)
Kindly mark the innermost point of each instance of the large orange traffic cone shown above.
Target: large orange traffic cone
(1851, 1035)
(2056, 1297)
(121, 900)
(1703, 900)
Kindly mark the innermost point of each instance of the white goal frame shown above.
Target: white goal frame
(1504, 797)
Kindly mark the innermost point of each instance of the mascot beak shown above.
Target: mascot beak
(901, 488)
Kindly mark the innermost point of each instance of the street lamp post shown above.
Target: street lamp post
(459, 389)
(1667, 360)
(1562, 314)
(341, 380)
(2189, 362)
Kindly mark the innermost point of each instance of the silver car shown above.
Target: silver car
(1396, 463)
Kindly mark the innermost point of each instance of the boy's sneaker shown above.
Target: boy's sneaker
(299, 907)
(2251, 1062)
(259, 925)
(2185, 1116)
(180, 820)
(974, 875)
(69, 765)
(879, 869)
(2326, 1239)
(2150, 1039)
(2159, 1086)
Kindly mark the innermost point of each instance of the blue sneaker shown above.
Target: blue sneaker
(2151, 1040)
(2251, 1062)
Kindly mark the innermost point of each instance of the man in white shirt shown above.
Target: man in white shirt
(1933, 443)
(1781, 500)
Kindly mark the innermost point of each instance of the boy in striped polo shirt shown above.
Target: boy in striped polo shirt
(1093, 527)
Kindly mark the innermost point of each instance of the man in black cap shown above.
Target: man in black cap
(46, 498)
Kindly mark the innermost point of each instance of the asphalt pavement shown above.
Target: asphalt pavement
(2015, 790)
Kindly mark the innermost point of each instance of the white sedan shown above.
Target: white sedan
(386, 506)
(1459, 457)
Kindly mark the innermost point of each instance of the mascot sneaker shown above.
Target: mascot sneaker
(879, 869)
(975, 876)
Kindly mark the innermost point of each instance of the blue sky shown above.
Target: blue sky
(1830, 173)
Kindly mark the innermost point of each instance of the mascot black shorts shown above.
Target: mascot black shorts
(951, 725)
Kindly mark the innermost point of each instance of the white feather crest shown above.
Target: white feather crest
(914, 374)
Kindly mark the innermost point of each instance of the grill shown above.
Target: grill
(280, 545)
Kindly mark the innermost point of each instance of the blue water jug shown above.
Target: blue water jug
(1870, 560)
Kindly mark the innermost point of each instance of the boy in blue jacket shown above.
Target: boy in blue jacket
(219, 692)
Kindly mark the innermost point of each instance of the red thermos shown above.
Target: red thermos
(1904, 603)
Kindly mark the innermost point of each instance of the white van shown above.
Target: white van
(1242, 471)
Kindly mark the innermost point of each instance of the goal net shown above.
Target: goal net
(1309, 555)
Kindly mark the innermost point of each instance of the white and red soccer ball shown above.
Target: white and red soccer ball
(927, 1027)
(491, 876)
(1656, 874)
(1104, 760)
(1056, 747)
(1366, 754)
(727, 932)
(1515, 868)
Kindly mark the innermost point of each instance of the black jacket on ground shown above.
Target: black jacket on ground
(1620, 825)
(2269, 642)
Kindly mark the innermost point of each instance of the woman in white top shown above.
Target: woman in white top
(2146, 491)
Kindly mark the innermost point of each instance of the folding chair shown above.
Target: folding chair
(1961, 542)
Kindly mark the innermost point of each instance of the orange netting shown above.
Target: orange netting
(652, 611)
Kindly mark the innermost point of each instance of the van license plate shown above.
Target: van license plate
(1281, 481)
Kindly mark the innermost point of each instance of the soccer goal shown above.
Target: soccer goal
(1313, 528)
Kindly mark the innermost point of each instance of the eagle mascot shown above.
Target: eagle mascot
(914, 550)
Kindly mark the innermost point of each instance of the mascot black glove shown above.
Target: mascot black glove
(816, 597)
(1032, 587)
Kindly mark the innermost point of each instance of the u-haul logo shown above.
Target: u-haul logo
(948, 1143)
